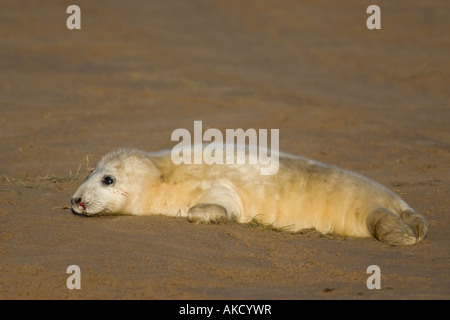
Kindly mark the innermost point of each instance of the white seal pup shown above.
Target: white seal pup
(302, 194)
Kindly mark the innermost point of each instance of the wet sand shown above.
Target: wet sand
(372, 101)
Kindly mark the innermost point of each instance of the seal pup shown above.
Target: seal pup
(302, 194)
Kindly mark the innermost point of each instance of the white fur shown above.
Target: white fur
(303, 194)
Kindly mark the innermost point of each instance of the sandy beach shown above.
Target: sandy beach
(372, 101)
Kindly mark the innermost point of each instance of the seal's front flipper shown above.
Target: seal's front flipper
(217, 204)
(207, 213)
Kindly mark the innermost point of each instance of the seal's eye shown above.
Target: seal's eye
(108, 180)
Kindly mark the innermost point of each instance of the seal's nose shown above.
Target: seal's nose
(75, 201)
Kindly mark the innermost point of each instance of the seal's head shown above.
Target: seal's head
(113, 183)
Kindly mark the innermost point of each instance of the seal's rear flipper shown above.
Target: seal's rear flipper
(417, 222)
(390, 228)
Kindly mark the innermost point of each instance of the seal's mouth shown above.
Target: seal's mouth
(79, 209)
(89, 208)
(83, 205)
(78, 205)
